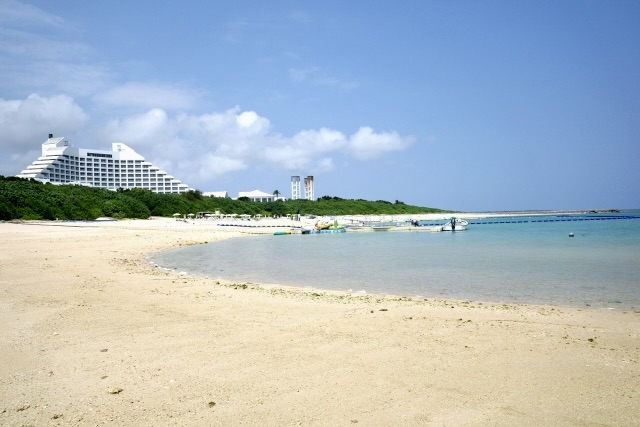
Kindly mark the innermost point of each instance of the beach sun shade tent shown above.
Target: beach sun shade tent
(176, 214)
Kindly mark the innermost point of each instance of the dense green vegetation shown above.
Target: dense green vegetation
(29, 199)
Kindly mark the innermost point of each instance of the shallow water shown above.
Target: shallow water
(534, 262)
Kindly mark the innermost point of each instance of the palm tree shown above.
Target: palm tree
(277, 194)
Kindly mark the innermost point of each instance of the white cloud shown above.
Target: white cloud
(16, 162)
(140, 129)
(247, 119)
(325, 164)
(195, 148)
(24, 121)
(317, 141)
(202, 147)
(221, 165)
(366, 144)
(302, 151)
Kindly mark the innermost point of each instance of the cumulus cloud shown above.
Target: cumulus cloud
(221, 164)
(140, 129)
(24, 121)
(197, 148)
(367, 144)
(303, 150)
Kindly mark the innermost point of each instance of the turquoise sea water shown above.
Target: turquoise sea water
(522, 262)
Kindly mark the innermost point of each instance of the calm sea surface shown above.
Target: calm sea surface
(524, 262)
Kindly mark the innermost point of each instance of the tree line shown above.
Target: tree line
(33, 200)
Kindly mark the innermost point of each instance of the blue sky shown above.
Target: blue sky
(466, 105)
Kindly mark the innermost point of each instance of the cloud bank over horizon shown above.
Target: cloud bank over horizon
(198, 148)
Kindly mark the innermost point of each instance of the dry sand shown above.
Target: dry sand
(92, 334)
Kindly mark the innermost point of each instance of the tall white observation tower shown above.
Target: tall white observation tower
(295, 188)
(308, 188)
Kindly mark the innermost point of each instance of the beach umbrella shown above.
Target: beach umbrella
(176, 214)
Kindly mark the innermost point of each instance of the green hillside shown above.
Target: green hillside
(29, 199)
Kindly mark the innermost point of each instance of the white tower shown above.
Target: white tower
(308, 188)
(295, 188)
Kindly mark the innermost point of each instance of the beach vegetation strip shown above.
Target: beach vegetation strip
(33, 200)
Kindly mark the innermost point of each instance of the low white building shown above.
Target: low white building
(120, 167)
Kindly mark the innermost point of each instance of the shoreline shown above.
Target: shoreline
(624, 306)
(229, 231)
(90, 332)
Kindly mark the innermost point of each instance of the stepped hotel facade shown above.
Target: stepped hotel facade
(120, 167)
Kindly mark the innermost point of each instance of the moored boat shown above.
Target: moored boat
(455, 224)
(324, 228)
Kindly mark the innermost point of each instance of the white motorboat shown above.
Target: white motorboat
(455, 224)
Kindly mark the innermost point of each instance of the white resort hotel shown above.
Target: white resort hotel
(121, 167)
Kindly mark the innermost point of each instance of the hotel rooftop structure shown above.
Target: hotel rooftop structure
(121, 167)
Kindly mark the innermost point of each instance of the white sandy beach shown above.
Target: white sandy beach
(92, 334)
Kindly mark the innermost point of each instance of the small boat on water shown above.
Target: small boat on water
(324, 227)
(455, 224)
